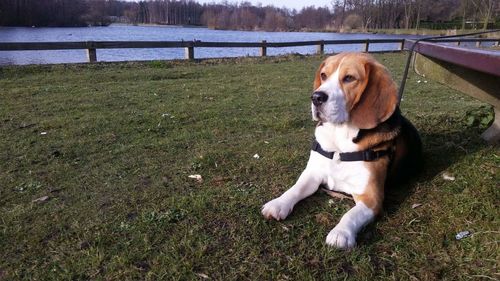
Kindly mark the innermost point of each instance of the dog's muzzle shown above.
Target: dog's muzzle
(318, 98)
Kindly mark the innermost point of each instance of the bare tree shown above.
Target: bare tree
(487, 6)
(363, 14)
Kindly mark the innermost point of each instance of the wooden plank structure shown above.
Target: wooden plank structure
(189, 46)
(475, 72)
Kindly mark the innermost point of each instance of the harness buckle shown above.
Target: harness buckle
(370, 155)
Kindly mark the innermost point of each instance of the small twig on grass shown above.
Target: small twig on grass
(336, 194)
(483, 276)
(420, 233)
(409, 275)
(484, 232)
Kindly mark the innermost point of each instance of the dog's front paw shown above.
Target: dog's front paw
(341, 238)
(277, 209)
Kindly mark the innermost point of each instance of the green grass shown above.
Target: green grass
(122, 139)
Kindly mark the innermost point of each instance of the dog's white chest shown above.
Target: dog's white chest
(348, 177)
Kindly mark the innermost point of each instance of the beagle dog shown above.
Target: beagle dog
(362, 143)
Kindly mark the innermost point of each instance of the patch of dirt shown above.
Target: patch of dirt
(324, 219)
(144, 182)
(142, 265)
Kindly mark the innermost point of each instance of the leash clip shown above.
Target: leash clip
(369, 155)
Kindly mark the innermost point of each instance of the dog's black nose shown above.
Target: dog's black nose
(318, 98)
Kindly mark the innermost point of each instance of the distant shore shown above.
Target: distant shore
(392, 31)
(427, 32)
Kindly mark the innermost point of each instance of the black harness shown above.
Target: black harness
(364, 155)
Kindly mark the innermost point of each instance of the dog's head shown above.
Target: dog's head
(353, 87)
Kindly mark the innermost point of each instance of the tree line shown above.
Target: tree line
(340, 15)
(415, 14)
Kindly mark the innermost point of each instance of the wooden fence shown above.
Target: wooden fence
(189, 46)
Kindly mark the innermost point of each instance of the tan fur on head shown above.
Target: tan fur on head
(370, 92)
(378, 100)
(317, 77)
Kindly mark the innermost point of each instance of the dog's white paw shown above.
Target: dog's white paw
(341, 238)
(278, 209)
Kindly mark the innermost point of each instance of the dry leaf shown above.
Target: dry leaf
(220, 180)
(41, 199)
(198, 178)
(203, 275)
(448, 177)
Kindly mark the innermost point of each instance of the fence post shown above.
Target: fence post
(367, 45)
(263, 49)
(91, 52)
(402, 45)
(320, 48)
(497, 43)
(458, 42)
(189, 51)
(91, 55)
(478, 44)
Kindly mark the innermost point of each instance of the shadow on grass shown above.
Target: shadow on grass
(440, 151)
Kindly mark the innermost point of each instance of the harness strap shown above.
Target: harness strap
(317, 147)
(364, 155)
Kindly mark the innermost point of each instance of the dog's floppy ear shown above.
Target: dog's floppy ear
(317, 77)
(378, 100)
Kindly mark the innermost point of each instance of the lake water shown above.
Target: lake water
(165, 33)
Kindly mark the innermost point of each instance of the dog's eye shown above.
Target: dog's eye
(348, 78)
(323, 76)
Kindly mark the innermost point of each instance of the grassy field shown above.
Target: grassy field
(112, 146)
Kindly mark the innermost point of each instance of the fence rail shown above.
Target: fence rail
(92, 46)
